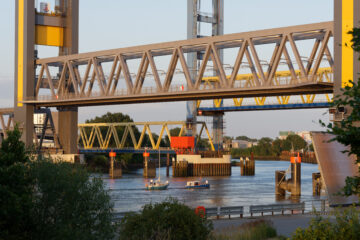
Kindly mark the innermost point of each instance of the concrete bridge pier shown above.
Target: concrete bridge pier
(115, 170)
(149, 166)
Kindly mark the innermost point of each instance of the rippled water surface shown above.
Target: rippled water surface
(129, 194)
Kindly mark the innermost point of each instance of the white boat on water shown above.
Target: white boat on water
(157, 184)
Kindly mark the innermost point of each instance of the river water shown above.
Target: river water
(129, 194)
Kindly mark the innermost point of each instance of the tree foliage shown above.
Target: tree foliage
(68, 204)
(345, 227)
(41, 199)
(15, 189)
(166, 220)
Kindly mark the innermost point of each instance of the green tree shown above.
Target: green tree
(167, 220)
(68, 204)
(278, 146)
(246, 138)
(264, 147)
(15, 188)
(124, 159)
(294, 142)
(41, 199)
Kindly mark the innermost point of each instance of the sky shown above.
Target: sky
(111, 24)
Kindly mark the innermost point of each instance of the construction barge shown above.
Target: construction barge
(190, 162)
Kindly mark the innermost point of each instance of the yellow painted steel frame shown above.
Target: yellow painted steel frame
(89, 132)
(49, 35)
(20, 54)
(347, 55)
(323, 75)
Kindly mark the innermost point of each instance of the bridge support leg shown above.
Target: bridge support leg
(346, 63)
(149, 168)
(167, 164)
(67, 122)
(296, 179)
(24, 67)
(115, 169)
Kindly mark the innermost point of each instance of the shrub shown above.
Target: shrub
(345, 226)
(68, 204)
(260, 229)
(166, 220)
(47, 200)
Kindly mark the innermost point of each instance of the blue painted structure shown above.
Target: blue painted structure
(126, 150)
(265, 107)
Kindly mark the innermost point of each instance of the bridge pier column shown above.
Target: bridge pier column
(67, 122)
(115, 168)
(149, 167)
(346, 60)
(167, 164)
(24, 67)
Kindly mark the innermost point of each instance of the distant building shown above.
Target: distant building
(240, 144)
(305, 135)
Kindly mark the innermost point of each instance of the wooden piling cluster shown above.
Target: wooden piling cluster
(247, 167)
(292, 185)
(316, 183)
(180, 169)
(185, 169)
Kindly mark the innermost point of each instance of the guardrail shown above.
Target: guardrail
(277, 208)
(224, 211)
(239, 210)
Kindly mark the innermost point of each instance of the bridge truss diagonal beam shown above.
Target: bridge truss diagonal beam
(69, 88)
(105, 135)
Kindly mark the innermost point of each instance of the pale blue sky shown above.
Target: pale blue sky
(110, 24)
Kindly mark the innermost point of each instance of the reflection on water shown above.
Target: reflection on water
(129, 194)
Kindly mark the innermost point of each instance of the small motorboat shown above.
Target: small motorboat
(197, 184)
(157, 185)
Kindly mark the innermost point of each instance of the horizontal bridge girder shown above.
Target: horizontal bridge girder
(104, 136)
(82, 79)
(300, 32)
(305, 88)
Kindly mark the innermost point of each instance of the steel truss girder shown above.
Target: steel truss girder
(75, 90)
(91, 132)
(323, 75)
(7, 122)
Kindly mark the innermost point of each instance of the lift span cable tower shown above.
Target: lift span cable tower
(195, 18)
(58, 29)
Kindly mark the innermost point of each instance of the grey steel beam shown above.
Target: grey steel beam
(68, 116)
(299, 32)
(279, 90)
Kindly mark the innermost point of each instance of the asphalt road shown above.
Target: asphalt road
(284, 225)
